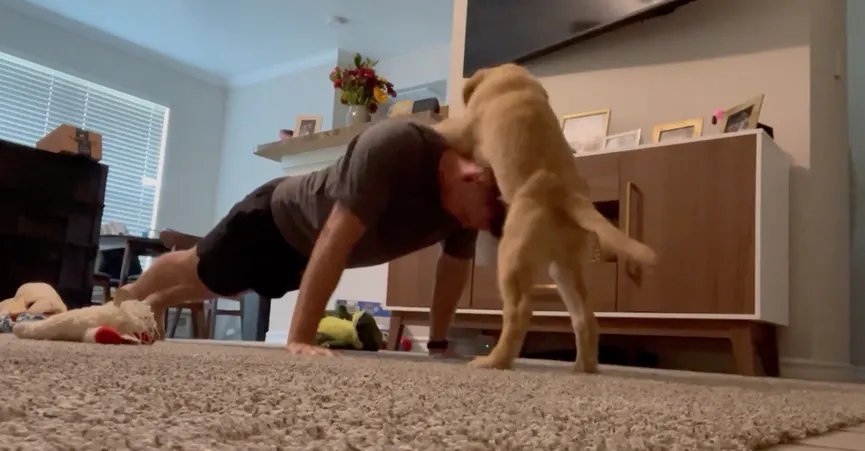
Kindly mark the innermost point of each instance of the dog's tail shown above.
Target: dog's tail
(611, 238)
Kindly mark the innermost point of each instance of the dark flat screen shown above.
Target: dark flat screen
(502, 31)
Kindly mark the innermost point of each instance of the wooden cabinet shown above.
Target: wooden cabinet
(694, 205)
(715, 209)
(600, 281)
(410, 280)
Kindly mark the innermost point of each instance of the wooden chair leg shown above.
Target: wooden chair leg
(198, 321)
(240, 300)
(210, 317)
(744, 350)
(177, 312)
(394, 334)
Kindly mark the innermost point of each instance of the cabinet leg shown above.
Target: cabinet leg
(768, 350)
(394, 334)
(744, 350)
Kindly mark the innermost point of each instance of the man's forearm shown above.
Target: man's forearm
(451, 276)
(318, 284)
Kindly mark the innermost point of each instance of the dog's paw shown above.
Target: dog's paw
(489, 363)
(586, 367)
(24, 330)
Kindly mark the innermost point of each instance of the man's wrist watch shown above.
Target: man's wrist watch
(437, 345)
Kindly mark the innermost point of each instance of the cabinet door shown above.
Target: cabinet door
(693, 203)
(411, 280)
(600, 282)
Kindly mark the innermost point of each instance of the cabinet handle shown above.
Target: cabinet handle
(628, 188)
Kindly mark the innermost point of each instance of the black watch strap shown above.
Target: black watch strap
(436, 345)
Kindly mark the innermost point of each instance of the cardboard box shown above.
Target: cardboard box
(70, 139)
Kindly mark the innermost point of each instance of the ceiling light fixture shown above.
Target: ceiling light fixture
(337, 20)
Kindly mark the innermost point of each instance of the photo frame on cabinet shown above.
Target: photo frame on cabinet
(586, 132)
(305, 125)
(623, 141)
(677, 131)
(743, 116)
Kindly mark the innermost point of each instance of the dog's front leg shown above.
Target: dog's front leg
(515, 282)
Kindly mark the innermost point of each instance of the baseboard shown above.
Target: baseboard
(276, 336)
(820, 371)
(790, 368)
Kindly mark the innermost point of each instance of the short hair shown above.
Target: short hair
(287, 132)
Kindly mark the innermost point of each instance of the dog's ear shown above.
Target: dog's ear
(472, 83)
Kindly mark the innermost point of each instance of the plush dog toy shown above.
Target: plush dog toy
(343, 330)
(37, 312)
(131, 322)
(36, 298)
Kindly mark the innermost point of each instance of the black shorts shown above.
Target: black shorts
(246, 251)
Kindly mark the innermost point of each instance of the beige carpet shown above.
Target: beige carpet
(204, 397)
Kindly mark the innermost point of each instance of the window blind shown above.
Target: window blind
(35, 99)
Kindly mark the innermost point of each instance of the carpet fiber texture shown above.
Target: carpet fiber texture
(203, 397)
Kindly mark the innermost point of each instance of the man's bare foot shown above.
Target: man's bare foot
(305, 349)
(158, 316)
(123, 294)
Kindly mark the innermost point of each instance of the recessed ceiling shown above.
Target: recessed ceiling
(230, 38)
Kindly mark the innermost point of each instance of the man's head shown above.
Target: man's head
(469, 191)
(285, 134)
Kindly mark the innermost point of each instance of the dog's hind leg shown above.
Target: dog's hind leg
(572, 288)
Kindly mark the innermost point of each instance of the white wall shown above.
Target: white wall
(421, 67)
(254, 115)
(856, 119)
(193, 154)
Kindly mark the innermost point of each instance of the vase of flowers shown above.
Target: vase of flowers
(361, 89)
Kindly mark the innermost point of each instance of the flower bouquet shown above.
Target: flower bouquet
(361, 87)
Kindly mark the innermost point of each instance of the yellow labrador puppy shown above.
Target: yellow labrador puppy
(511, 128)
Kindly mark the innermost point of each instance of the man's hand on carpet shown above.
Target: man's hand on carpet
(307, 349)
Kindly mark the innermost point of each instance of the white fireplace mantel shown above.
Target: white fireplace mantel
(319, 149)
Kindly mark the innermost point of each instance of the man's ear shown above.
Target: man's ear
(472, 83)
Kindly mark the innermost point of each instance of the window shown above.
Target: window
(35, 99)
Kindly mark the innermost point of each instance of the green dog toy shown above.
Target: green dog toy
(341, 330)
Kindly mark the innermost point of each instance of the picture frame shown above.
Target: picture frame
(677, 131)
(743, 116)
(586, 132)
(306, 124)
(623, 141)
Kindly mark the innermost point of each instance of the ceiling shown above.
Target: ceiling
(229, 39)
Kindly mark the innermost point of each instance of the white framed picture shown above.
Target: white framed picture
(585, 132)
(623, 141)
(305, 125)
(677, 131)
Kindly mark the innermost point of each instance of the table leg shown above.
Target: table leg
(395, 334)
(127, 262)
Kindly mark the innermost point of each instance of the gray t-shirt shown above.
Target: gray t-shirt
(389, 178)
